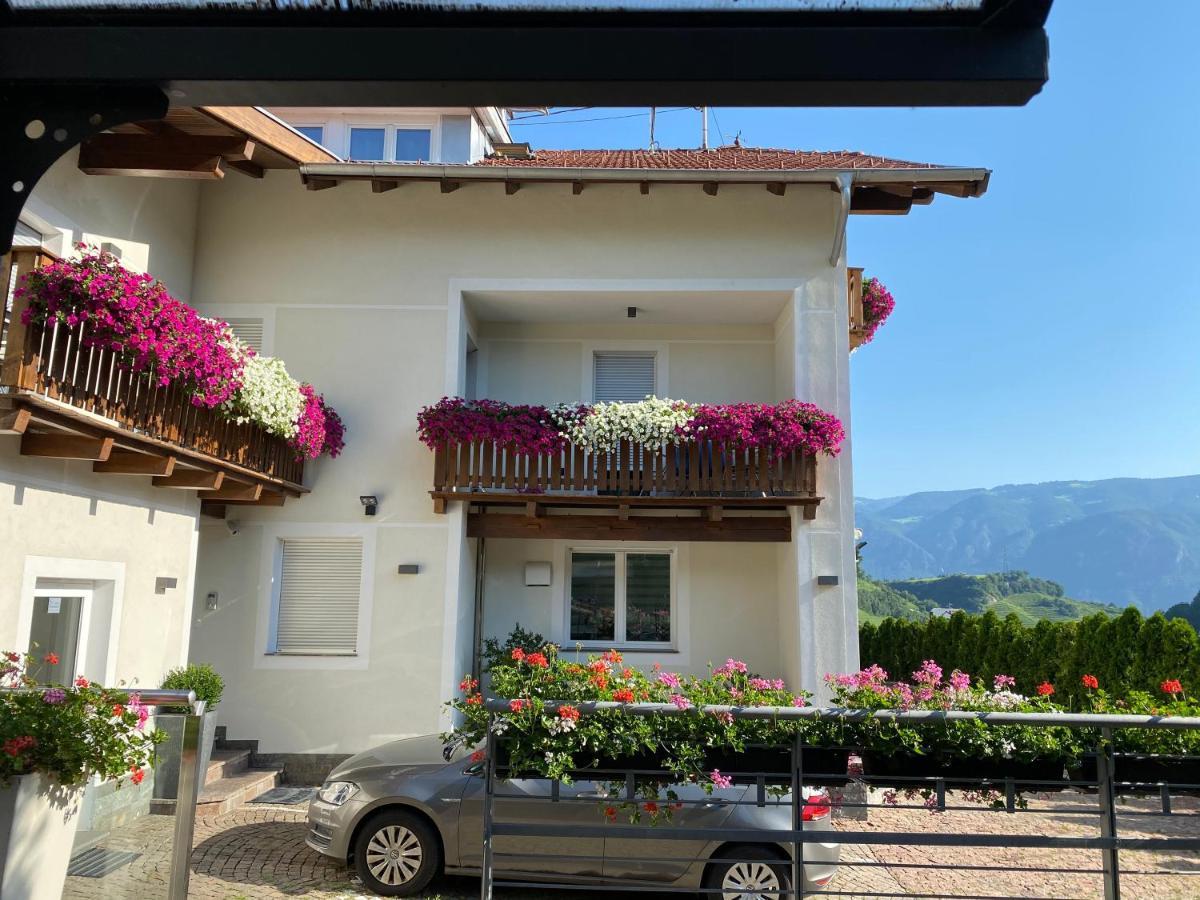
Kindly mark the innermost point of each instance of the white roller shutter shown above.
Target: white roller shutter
(248, 331)
(320, 580)
(623, 376)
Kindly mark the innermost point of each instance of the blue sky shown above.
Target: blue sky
(1046, 331)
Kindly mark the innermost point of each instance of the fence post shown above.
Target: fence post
(798, 817)
(1108, 815)
(489, 809)
(186, 795)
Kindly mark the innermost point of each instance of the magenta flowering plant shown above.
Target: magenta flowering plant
(780, 428)
(134, 315)
(878, 304)
(454, 420)
(318, 429)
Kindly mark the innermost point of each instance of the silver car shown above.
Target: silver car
(401, 813)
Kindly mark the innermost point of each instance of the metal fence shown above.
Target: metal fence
(523, 829)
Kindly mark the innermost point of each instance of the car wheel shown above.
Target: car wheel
(754, 874)
(396, 853)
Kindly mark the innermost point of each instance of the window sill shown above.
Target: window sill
(297, 654)
(621, 648)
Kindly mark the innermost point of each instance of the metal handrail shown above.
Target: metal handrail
(1109, 843)
(915, 717)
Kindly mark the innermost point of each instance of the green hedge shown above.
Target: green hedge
(1128, 652)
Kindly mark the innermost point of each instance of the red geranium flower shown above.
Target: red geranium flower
(1090, 681)
(81, 682)
(624, 695)
(1045, 689)
(118, 710)
(51, 658)
(475, 700)
(518, 654)
(537, 659)
(478, 756)
(517, 705)
(138, 774)
(651, 807)
(568, 712)
(1172, 686)
(610, 813)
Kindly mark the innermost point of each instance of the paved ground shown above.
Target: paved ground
(259, 852)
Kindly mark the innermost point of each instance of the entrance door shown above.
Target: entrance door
(55, 628)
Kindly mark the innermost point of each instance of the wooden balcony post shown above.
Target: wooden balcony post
(18, 364)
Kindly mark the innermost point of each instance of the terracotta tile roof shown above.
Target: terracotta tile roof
(722, 158)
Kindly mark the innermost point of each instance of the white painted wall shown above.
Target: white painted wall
(114, 534)
(365, 293)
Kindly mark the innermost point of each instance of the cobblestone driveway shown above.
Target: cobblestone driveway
(259, 852)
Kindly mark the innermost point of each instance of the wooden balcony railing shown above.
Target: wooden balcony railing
(704, 475)
(854, 290)
(74, 390)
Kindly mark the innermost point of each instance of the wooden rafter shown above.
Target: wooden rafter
(66, 446)
(169, 154)
(191, 480)
(235, 490)
(130, 462)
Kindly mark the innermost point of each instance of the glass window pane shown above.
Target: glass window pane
(593, 596)
(412, 144)
(366, 143)
(647, 597)
(312, 132)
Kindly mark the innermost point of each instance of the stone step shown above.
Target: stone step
(226, 764)
(229, 793)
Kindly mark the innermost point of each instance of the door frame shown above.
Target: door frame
(86, 591)
(103, 575)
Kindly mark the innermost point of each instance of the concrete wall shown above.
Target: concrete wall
(111, 536)
(367, 296)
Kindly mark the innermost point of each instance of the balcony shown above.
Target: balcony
(69, 401)
(700, 480)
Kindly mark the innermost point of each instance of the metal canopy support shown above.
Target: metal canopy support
(41, 123)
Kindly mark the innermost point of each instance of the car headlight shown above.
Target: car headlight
(337, 792)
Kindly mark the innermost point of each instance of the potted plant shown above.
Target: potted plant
(53, 739)
(208, 686)
(1147, 756)
(961, 752)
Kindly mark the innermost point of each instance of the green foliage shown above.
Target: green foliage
(1188, 611)
(495, 653)
(68, 734)
(1030, 599)
(1125, 653)
(199, 677)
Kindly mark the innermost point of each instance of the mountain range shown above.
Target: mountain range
(1120, 541)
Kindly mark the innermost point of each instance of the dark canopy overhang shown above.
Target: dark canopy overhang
(538, 52)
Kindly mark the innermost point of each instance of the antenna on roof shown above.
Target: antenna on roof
(653, 143)
(703, 127)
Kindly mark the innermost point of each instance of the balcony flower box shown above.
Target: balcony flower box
(901, 770)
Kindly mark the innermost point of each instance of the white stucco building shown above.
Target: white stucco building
(558, 276)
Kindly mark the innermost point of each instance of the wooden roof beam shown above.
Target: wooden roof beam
(66, 446)
(873, 201)
(130, 462)
(383, 185)
(167, 155)
(235, 490)
(191, 480)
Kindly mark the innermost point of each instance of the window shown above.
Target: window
(412, 144)
(620, 597)
(367, 143)
(248, 331)
(625, 376)
(312, 132)
(320, 580)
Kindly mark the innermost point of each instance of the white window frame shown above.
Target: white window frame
(620, 553)
(389, 138)
(662, 362)
(271, 568)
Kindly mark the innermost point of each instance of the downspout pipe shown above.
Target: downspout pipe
(844, 183)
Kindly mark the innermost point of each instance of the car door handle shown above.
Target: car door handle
(593, 795)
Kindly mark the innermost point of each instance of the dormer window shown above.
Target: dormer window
(401, 143)
(367, 144)
(413, 144)
(315, 133)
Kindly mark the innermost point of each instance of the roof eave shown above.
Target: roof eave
(975, 181)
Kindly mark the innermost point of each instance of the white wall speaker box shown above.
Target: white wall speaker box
(537, 574)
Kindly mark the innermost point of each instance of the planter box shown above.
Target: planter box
(958, 772)
(1152, 768)
(169, 753)
(822, 765)
(38, 818)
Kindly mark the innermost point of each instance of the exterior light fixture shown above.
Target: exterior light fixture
(408, 569)
(827, 580)
(370, 503)
(631, 312)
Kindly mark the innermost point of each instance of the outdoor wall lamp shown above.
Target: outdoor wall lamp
(370, 503)
(827, 580)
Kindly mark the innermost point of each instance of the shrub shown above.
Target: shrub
(198, 677)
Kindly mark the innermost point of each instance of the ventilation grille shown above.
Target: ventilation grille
(625, 377)
(248, 331)
(319, 596)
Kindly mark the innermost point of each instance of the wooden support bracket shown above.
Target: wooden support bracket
(14, 421)
(533, 509)
(130, 462)
(191, 480)
(714, 513)
(439, 505)
(235, 490)
(66, 446)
